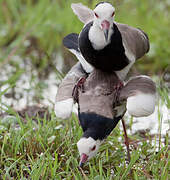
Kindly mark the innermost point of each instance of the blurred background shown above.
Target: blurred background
(32, 57)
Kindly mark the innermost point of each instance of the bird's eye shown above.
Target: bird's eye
(93, 148)
(113, 14)
(96, 15)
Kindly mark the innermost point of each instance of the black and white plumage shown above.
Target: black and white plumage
(103, 101)
(96, 126)
(98, 114)
(111, 58)
(104, 43)
(71, 42)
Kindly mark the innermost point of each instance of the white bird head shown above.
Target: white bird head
(88, 148)
(104, 16)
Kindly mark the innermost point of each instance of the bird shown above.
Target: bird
(102, 99)
(106, 51)
(97, 111)
(104, 43)
(101, 40)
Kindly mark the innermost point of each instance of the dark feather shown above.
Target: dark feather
(71, 41)
(111, 58)
(97, 126)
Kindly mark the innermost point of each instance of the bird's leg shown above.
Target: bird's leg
(79, 85)
(126, 139)
(117, 88)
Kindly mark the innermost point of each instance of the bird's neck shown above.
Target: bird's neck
(94, 133)
(97, 126)
(96, 37)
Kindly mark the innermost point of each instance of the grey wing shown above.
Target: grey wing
(64, 100)
(66, 87)
(136, 41)
(136, 44)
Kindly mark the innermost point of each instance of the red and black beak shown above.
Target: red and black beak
(83, 159)
(105, 27)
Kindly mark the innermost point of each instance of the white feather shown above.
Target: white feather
(63, 108)
(104, 10)
(141, 104)
(83, 12)
(85, 144)
(96, 34)
(96, 37)
(86, 66)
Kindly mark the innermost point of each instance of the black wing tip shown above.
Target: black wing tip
(71, 41)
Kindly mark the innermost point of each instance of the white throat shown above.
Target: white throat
(85, 144)
(96, 37)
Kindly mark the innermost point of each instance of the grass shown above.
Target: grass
(45, 148)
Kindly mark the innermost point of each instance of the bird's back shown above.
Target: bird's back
(96, 103)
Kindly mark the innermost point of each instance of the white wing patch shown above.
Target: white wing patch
(83, 12)
(86, 66)
(141, 104)
(63, 109)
